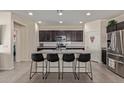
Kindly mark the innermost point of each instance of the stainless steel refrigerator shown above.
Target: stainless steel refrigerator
(115, 52)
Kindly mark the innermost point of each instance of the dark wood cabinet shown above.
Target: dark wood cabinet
(50, 36)
(68, 36)
(53, 36)
(47, 36)
(120, 26)
(41, 36)
(111, 28)
(73, 36)
(79, 37)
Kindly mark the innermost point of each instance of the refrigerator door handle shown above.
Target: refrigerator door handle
(121, 38)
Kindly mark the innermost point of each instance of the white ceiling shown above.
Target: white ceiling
(69, 17)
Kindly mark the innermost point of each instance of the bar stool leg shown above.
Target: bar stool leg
(73, 67)
(48, 70)
(36, 67)
(31, 70)
(85, 66)
(62, 69)
(78, 70)
(43, 70)
(49, 67)
(91, 71)
(58, 70)
(90, 74)
(45, 76)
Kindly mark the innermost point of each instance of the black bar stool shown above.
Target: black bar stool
(70, 58)
(36, 58)
(85, 58)
(53, 58)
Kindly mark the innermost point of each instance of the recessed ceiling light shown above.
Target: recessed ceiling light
(60, 22)
(60, 13)
(39, 22)
(30, 13)
(81, 22)
(88, 14)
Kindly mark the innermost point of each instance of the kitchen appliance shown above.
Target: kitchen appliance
(61, 42)
(115, 51)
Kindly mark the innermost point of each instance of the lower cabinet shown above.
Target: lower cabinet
(115, 66)
(120, 69)
(103, 56)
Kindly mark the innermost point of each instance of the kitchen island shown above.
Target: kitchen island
(54, 47)
(60, 53)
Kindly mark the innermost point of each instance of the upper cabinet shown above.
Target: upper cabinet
(79, 36)
(118, 26)
(50, 36)
(73, 36)
(111, 28)
(45, 36)
(68, 36)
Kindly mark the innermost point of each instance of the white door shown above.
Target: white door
(18, 46)
(93, 43)
(19, 42)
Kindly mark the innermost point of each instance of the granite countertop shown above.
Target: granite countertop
(47, 47)
(66, 47)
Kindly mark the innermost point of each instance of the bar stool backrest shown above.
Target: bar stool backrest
(68, 57)
(84, 57)
(52, 57)
(37, 57)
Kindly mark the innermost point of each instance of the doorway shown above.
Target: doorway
(18, 42)
(93, 44)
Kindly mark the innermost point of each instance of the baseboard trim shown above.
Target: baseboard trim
(95, 61)
(7, 68)
(23, 61)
